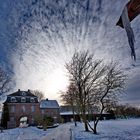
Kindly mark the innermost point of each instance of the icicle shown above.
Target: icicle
(129, 31)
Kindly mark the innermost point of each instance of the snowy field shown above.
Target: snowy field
(111, 130)
(30, 133)
(108, 130)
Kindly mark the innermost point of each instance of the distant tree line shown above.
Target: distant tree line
(126, 111)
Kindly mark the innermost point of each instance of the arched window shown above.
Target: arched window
(32, 100)
(23, 99)
(13, 99)
(23, 93)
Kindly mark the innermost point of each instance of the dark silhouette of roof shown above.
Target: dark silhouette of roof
(22, 93)
(21, 97)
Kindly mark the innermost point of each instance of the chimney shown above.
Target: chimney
(47, 99)
(18, 90)
(28, 90)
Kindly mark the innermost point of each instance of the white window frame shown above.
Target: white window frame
(13, 99)
(32, 100)
(23, 93)
(32, 108)
(23, 99)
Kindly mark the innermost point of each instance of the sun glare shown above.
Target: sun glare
(58, 81)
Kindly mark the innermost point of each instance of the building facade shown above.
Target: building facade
(50, 108)
(25, 104)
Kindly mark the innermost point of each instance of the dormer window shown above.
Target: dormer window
(23, 99)
(23, 93)
(32, 100)
(13, 99)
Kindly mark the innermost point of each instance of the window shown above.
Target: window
(42, 111)
(13, 99)
(23, 108)
(23, 99)
(32, 108)
(12, 119)
(23, 93)
(12, 109)
(32, 100)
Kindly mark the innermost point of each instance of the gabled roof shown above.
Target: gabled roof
(49, 104)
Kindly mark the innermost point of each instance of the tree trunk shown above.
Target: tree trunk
(74, 115)
(86, 126)
(95, 128)
(98, 118)
(85, 122)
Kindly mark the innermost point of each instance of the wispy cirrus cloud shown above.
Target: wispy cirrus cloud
(46, 34)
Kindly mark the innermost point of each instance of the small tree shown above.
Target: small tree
(47, 121)
(39, 94)
(38, 120)
(5, 116)
(68, 98)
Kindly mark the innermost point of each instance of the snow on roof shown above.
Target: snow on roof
(67, 113)
(49, 104)
(71, 113)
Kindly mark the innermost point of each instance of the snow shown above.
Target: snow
(67, 113)
(49, 104)
(33, 133)
(108, 130)
(30, 133)
(60, 133)
(111, 130)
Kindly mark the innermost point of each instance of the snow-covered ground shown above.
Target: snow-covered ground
(108, 130)
(61, 132)
(111, 130)
(30, 133)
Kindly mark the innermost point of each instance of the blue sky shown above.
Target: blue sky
(38, 37)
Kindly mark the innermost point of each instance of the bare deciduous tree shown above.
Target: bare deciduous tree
(95, 84)
(4, 82)
(39, 94)
(112, 83)
(84, 74)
